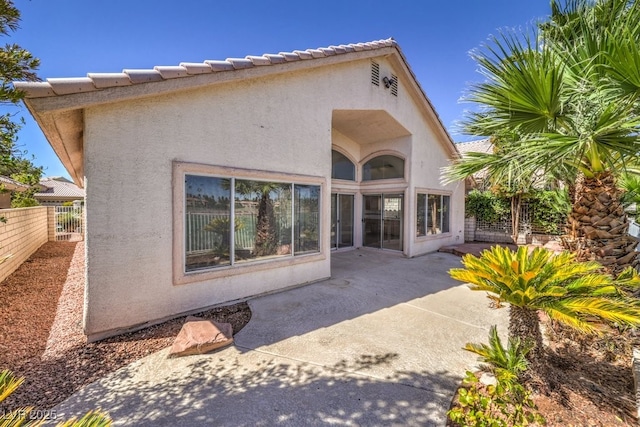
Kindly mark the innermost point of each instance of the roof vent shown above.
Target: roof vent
(394, 85)
(375, 73)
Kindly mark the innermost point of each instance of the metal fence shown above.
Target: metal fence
(552, 223)
(69, 223)
(199, 237)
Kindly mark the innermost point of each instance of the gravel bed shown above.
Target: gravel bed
(41, 335)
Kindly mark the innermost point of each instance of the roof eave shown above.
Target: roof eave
(64, 131)
(81, 100)
(61, 116)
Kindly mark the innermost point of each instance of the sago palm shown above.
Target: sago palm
(574, 293)
(569, 91)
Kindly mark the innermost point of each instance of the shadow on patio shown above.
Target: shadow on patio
(218, 390)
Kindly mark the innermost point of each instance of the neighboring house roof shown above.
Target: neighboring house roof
(12, 185)
(58, 103)
(59, 188)
(478, 146)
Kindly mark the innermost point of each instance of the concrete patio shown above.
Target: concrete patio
(377, 344)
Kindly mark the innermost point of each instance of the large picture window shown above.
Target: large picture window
(432, 215)
(231, 221)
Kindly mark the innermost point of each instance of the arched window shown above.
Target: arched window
(342, 167)
(383, 167)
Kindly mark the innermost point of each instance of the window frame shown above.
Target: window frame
(182, 169)
(376, 156)
(353, 164)
(426, 193)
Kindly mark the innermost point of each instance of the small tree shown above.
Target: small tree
(573, 293)
(16, 64)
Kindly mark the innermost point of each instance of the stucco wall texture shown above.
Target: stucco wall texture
(277, 123)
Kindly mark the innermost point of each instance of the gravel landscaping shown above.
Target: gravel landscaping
(41, 339)
(41, 335)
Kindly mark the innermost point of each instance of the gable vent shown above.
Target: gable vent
(375, 73)
(394, 85)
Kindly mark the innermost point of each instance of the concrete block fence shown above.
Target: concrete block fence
(25, 230)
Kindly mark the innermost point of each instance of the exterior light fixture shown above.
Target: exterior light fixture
(388, 82)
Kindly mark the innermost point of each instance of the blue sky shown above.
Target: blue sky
(74, 37)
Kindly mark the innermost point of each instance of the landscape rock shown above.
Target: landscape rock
(199, 336)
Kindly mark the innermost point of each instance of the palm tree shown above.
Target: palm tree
(570, 91)
(574, 293)
(266, 241)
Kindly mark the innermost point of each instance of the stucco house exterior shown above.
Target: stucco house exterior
(211, 182)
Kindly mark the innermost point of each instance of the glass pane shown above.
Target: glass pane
(341, 167)
(263, 220)
(445, 213)
(372, 216)
(421, 215)
(207, 222)
(307, 213)
(392, 235)
(433, 214)
(346, 221)
(383, 167)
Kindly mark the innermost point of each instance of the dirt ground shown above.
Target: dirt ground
(591, 381)
(50, 351)
(594, 384)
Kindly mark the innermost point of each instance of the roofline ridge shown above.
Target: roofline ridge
(96, 81)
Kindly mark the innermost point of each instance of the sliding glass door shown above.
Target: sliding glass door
(341, 220)
(382, 221)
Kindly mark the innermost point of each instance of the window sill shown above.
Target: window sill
(430, 237)
(182, 278)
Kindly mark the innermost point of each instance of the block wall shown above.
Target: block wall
(24, 231)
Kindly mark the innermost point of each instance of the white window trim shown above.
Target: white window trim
(181, 169)
(435, 192)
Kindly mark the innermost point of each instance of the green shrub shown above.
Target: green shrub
(508, 402)
(548, 209)
(486, 206)
(507, 363)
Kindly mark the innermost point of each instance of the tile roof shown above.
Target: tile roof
(57, 103)
(478, 146)
(59, 188)
(12, 184)
(98, 81)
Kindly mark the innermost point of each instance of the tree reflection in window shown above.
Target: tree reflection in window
(432, 214)
(264, 215)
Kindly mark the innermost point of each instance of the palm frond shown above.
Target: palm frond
(90, 419)
(575, 293)
(8, 384)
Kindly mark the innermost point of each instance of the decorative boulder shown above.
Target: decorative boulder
(199, 336)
